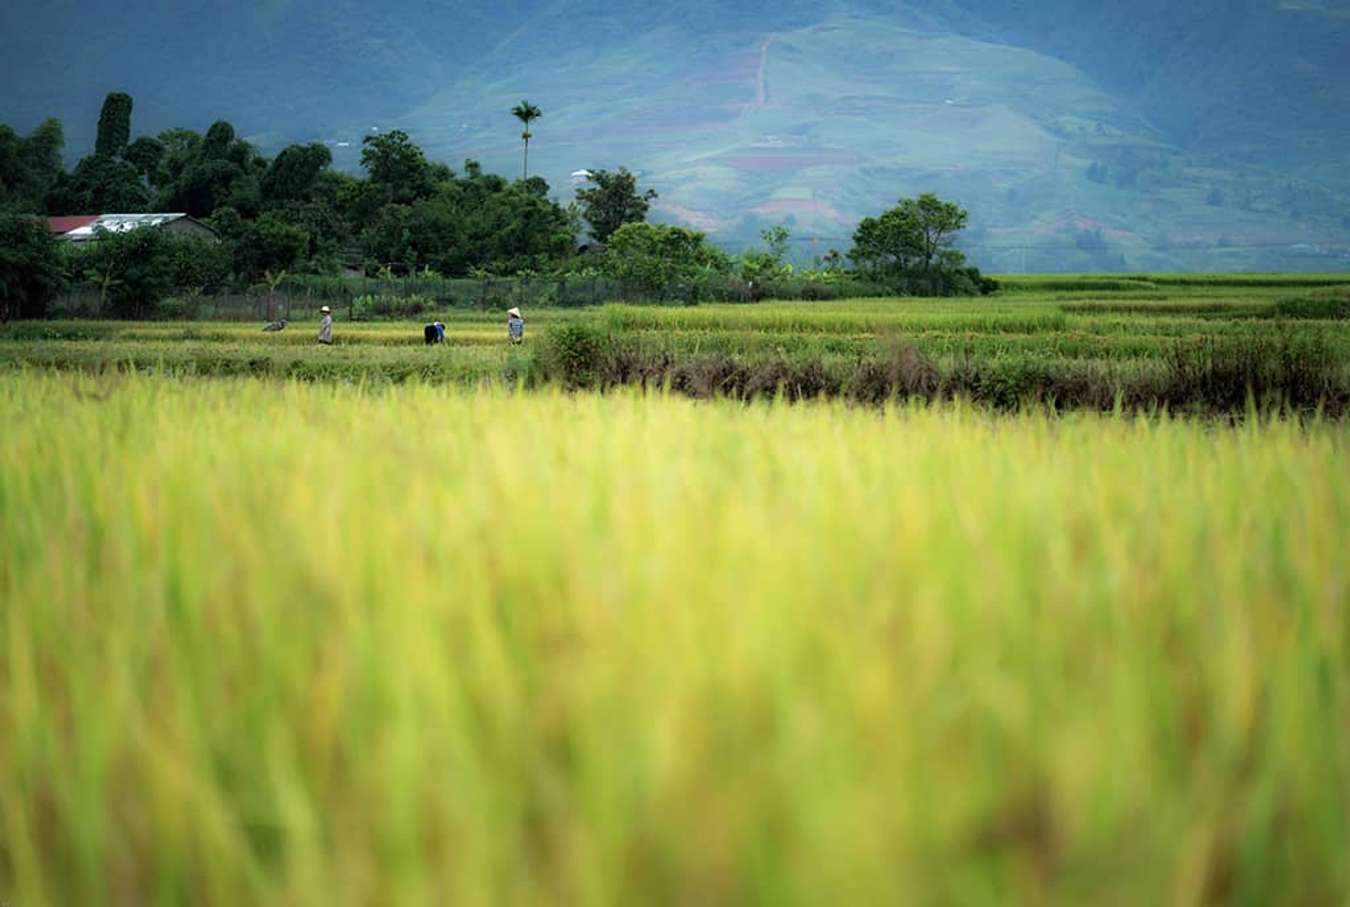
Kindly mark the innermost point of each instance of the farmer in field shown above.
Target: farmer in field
(326, 325)
(515, 325)
(433, 333)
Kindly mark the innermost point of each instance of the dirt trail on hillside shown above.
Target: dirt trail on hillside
(762, 76)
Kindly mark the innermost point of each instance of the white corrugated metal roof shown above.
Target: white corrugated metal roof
(121, 223)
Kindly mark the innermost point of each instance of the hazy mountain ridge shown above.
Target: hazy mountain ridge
(1107, 133)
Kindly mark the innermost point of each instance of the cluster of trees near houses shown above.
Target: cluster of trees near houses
(294, 214)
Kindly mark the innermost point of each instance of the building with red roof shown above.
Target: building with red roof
(83, 228)
(60, 226)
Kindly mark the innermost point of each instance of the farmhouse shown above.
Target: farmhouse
(85, 228)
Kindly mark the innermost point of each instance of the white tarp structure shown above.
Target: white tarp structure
(125, 223)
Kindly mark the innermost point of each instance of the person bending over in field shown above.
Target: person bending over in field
(278, 325)
(433, 333)
(326, 325)
(515, 326)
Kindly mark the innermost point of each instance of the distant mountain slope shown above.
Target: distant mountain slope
(1262, 76)
(1080, 134)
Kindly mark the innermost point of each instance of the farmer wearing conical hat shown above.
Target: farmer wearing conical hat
(326, 325)
(515, 325)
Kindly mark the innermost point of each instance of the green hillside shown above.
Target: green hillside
(1081, 136)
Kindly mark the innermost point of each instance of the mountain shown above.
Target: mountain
(1081, 135)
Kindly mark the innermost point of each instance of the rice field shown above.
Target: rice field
(289, 643)
(386, 624)
(1128, 326)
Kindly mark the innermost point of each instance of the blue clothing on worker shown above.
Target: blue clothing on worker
(433, 333)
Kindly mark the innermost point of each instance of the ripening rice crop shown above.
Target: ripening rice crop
(271, 643)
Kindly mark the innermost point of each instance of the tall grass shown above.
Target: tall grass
(1003, 351)
(270, 643)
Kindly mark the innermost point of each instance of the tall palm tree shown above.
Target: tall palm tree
(525, 112)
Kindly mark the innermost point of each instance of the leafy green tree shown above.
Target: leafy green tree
(114, 125)
(939, 222)
(218, 140)
(397, 166)
(245, 156)
(99, 185)
(138, 269)
(888, 243)
(657, 258)
(479, 221)
(269, 244)
(146, 154)
(31, 270)
(292, 174)
(14, 178)
(916, 234)
(106, 181)
(30, 166)
(359, 202)
(526, 113)
(327, 230)
(182, 148)
(611, 199)
(198, 175)
(519, 229)
(776, 240)
(769, 263)
(135, 269)
(389, 237)
(197, 264)
(207, 184)
(42, 153)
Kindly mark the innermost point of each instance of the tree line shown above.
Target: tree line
(293, 214)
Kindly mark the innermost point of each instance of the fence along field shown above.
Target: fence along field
(299, 297)
(305, 643)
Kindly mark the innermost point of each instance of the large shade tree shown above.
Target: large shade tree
(30, 166)
(114, 125)
(397, 167)
(659, 259)
(610, 200)
(30, 267)
(916, 234)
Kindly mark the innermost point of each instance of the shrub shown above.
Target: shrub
(654, 259)
(178, 308)
(1223, 374)
(31, 272)
(903, 372)
(788, 380)
(198, 264)
(574, 354)
(1008, 384)
(1311, 308)
(376, 307)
